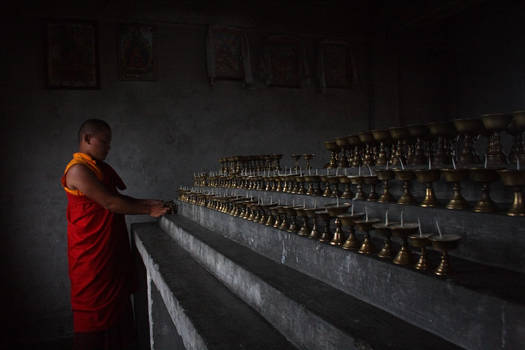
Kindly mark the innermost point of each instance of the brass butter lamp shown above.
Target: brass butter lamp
(444, 243)
(417, 151)
(385, 175)
(342, 142)
(334, 212)
(348, 220)
(367, 248)
(405, 176)
(516, 180)
(421, 241)
(495, 123)
(347, 191)
(454, 177)
(484, 176)
(428, 177)
(383, 138)
(334, 150)
(385, 230)
(469, 129)
(402, 231)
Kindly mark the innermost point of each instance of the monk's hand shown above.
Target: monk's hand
(156, 208)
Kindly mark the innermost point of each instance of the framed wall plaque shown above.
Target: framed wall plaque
(72, 55)
(136, 52)
(282, 58)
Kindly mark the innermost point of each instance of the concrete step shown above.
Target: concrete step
(490, 239)
(477, 307)
(204, 312)
(312, 314)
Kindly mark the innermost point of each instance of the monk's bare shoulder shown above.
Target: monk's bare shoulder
(78, 173)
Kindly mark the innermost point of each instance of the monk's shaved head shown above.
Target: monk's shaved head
(92, 127)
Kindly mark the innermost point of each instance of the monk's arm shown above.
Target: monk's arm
(81, 178)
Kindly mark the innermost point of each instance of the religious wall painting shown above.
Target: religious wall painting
(72, 55)
(136, 52)
(228, 54)
(281, 60)
(336, 64)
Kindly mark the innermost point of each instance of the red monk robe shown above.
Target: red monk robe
(100, 263)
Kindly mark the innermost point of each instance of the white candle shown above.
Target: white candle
(387, 165)
(402, 165)
(429, 163)
(270, 199)
(359, 171)
(366, 214)
(346, 173)
(419, 227)
(485, 160)
(315, 204)
(386, 218)
(369, 169)
(293, 203)
(453, 163)
(337, 201)
(304, 203)
(401, 219)
(316, 171)
(352, 207)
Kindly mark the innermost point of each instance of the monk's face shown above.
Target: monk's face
(99, 144)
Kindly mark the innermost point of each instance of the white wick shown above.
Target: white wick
(429, 163)
(316, 171)
(419, 227)
(293, 203)
(439, 230)
(337, 198)
(366, 214)
(402, 165)
(336, 171)
(369, 169)
(485, 160)
(352, 207)
(386, 218)
(304, 203)
(387, 165)
(315, 204)
(401, 219)
(359, 171)
(346, 173)
(453, 163)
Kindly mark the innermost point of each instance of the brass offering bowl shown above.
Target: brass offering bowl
(385, 175)
(484, 176)
(301, 213)
(385, 231)
(383, 138)
(403, 257)
(300, 180)
(313, 185)
(398, 152)
(405, 176)
(416, 152)
(284, 211)
(495, 123)
(327, 190)
(347, 220)
(333, 181)
(308, 158)
(372, 181)
(347, 192)
(442, 132)
(368, 140)
(355, 150)
(334, 150)
(335, 211)
(267, 213)
(468, 128)
(343, 144)
(420, 241)
(455, 176)
(293, 212)
(276, 215)
(444, 244)
(516, 128)
(324, 217)
(367, 248)
(358, 181)
(516, 180)
(308, 213)
(428, 177)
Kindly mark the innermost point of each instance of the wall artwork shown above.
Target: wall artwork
(336, 65)
(136, 52)
(228, 57)
(282, 63)
(72, 55)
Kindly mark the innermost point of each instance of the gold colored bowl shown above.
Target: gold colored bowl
(353, 140)
(370, 179)
(347, 219)
(404, 175)
(341, 141)
(331, 146)
(366, 137)
(454, 175)
(496, 121)
(483, 175)
(418, 130)
(426, 175)
(469, 126)
(404, 231)
(399, 133)
(519, 119)
(365, 226)
(335, 210)
(384, 175)
(381, 135)
(419, 241)
(383, 229)
(445, 242)
(511, 177)
(442, 129)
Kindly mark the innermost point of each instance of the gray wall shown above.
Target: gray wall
(163, 131)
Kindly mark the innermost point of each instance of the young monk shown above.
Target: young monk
(100, 263)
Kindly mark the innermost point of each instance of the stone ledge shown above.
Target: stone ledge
(490, 239)
(311, 313)
(204, 311)
(476, 315)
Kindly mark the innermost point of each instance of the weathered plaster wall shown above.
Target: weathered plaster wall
(163, 131)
